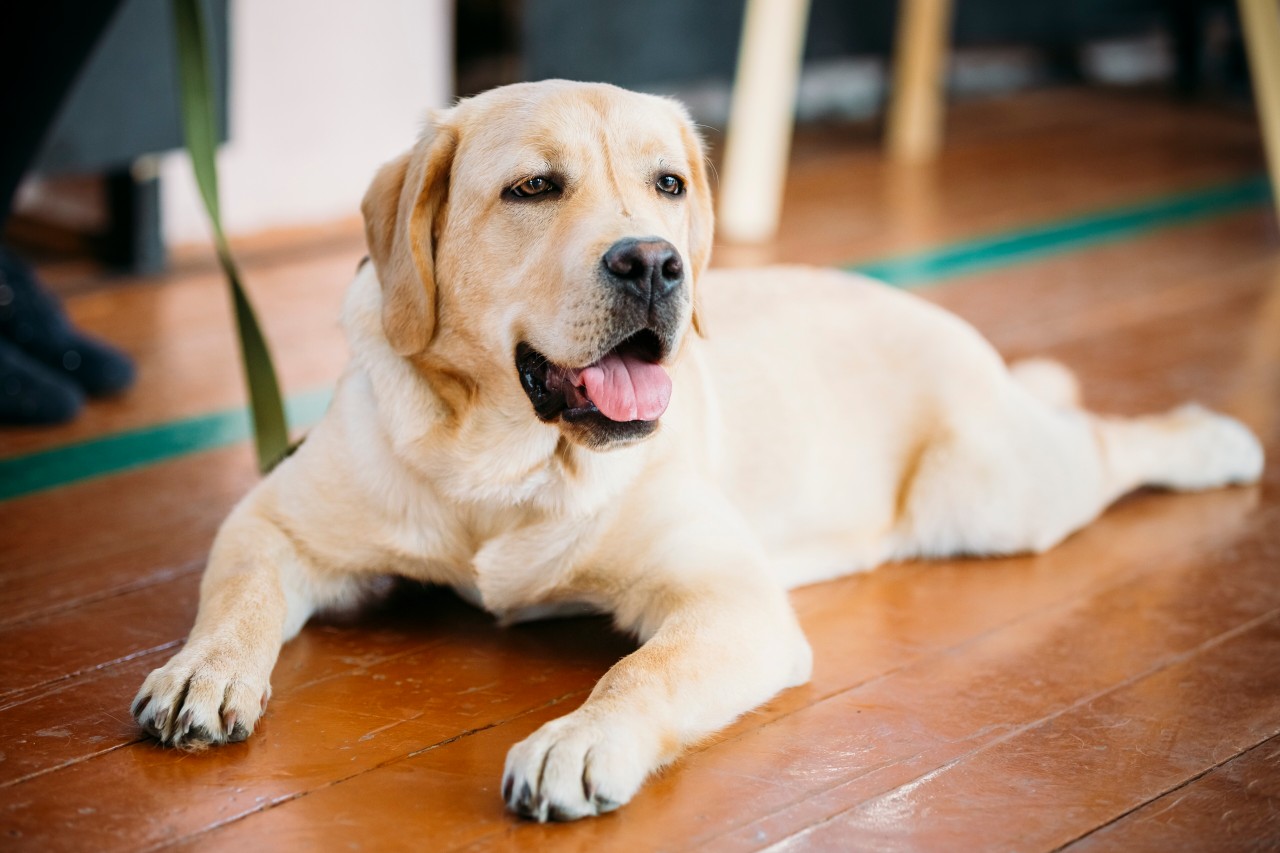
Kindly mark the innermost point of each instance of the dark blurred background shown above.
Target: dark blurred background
(314, 102)
(1193, 46)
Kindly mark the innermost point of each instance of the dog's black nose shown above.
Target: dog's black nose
(647, 267)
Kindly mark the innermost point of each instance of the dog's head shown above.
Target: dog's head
(541, 243)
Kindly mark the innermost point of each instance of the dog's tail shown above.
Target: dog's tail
(1049, 381)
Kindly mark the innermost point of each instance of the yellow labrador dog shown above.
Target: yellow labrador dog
(551, 402)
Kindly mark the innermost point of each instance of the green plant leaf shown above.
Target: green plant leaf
(271, 430)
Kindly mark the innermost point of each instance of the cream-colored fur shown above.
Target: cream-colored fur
(823, 424)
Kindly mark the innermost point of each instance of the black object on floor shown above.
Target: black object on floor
(31, 394)
(32, 321)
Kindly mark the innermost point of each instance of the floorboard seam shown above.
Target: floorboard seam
(1062, 604)
(1191, 780)
(1065, 603)
(71, 762)
(15, 694)
(135, 585)
(298, 795)
(1173, 660)
(76, 561)
(143, 739)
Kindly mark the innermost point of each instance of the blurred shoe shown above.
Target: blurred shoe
(32, 319)
(31, 393)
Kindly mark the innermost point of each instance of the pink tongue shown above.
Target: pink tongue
(626, 388)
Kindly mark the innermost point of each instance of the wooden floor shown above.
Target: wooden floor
(1120, 693)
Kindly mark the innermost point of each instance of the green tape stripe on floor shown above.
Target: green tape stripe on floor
(137, 448)
(47, 469)
(1030, 244)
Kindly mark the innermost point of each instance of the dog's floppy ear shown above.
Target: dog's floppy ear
(400, 221)
(701, 215)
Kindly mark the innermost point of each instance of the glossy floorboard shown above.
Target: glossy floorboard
(1118, 693)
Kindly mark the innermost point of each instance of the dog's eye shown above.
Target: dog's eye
(670, 184)
(536, 185)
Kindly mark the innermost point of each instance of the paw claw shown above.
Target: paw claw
(576, 767)
(604, 805)
(160, 725)
(200, 698)
(524, 802)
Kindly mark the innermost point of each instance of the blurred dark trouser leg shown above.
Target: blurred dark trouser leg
(43, 46)
(45, 364)
(32, 394)
(32, 319)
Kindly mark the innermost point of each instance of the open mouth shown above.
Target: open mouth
(625, 385)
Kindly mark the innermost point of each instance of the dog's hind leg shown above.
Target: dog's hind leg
(257, 592)
(1020, 475)
(1187, 449)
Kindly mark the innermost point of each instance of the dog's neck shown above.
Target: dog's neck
(498, 455)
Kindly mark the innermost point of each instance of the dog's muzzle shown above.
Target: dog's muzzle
(627, 383)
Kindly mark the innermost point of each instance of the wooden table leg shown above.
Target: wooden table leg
(917, 96)
(761, 116)
(1261, 23)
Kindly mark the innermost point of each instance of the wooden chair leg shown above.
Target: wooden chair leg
(761, 117)
(917, 97)
(1261, 23)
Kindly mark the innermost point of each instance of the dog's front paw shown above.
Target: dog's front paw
(204, 696)
(575, 767)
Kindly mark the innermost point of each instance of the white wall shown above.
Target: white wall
(322, 93)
